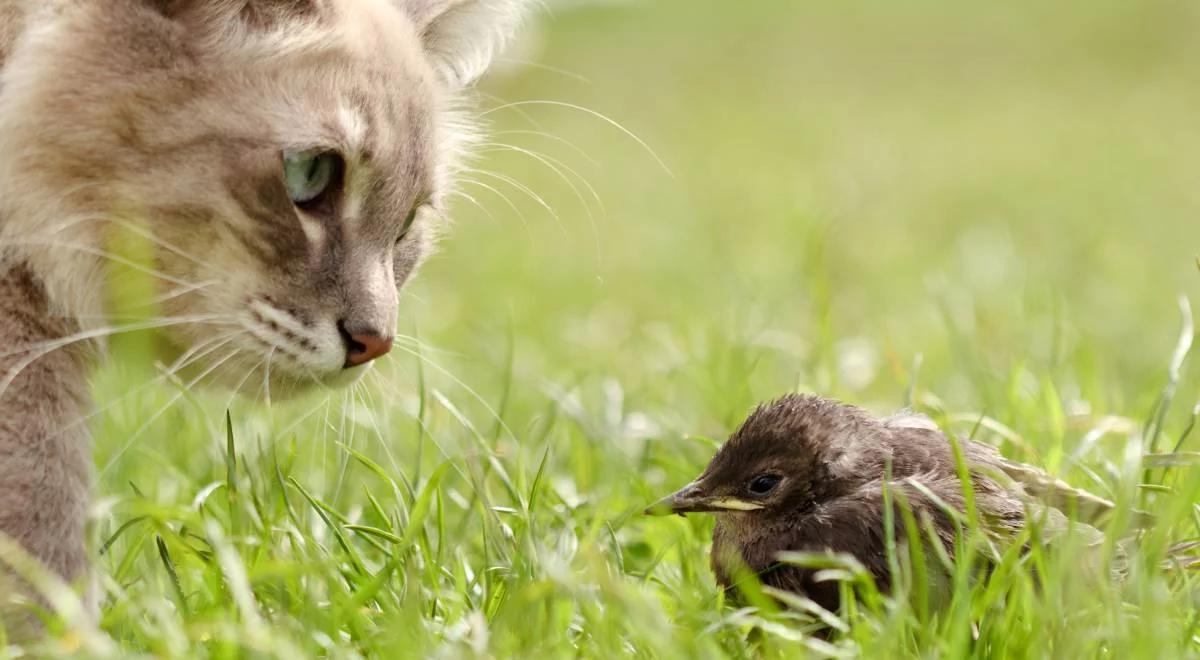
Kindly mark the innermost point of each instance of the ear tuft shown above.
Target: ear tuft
(462, 37)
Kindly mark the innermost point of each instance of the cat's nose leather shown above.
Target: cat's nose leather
(362, 347)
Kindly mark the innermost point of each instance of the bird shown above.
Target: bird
(807, 474)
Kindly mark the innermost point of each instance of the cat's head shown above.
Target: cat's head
(286, 162)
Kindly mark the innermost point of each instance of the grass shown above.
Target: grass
(987, 212)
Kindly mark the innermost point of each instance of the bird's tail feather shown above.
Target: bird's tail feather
(1185, 556)
(1085, 506)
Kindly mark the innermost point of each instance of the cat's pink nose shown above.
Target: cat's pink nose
(362, 347)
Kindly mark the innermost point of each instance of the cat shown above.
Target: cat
(286, 162)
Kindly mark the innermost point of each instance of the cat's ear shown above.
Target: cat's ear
(462, 37)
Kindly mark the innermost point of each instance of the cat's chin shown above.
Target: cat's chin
(284, 386)
(346, 377)
(278, 384)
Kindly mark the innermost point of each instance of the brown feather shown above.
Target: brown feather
(833, 463)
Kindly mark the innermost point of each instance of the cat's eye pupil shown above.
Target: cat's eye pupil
(763, 484)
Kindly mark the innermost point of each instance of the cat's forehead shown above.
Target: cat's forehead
(387, 103)
(352, 82)
(386, 117)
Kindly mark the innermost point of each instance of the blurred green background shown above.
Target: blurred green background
(981, 209)
(854, 184)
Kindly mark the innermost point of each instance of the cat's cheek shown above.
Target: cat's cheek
(409, 255)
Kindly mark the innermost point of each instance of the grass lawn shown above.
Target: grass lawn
(988, 211)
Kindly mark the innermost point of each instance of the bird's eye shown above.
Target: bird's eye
(763, 484)
(310, 176)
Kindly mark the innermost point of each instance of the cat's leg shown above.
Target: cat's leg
(45, 454)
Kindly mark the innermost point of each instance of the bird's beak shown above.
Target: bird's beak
(692, 499)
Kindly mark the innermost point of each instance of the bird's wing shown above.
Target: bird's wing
(918, 450)
(854, 525)
(926, 449)
(1042, 487)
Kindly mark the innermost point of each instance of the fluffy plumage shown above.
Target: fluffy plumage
(808, 474)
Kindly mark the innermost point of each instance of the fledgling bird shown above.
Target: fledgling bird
(807, 474)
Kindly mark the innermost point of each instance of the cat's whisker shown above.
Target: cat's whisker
(414, 296)
(341, 431)
(237, 389)
(426, 347)
(97, 333)
(39, 350)
(182, 291)
(103, 254)
(474, 202)
(524, 189)
(167, 245)
(467, 388)
(325, 427)
(189, 358)
(267, 378)
(598, 115)
(99, 219)
(380, 382)
(352, 402)
(371, 404)
(508, 202)
(200, 350)
(428, 432)
(183, 389)
(109, 219)
(505, 104)
(550, 136)
(51, 230)
(558, 168)
(544, 67)
(299, 421)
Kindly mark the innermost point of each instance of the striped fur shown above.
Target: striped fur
(166, 120)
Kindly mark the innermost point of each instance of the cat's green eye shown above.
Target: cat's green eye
(308, 175)
(408, 221)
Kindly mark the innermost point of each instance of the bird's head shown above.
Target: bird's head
(788, 455)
